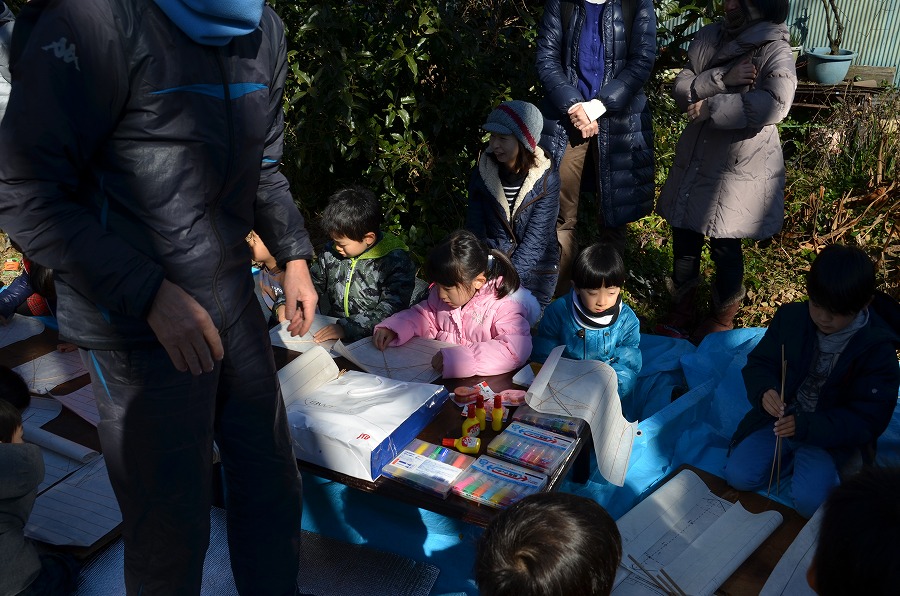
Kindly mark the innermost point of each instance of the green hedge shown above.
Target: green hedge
(392, 96)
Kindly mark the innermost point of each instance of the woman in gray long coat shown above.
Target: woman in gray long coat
(727, 181)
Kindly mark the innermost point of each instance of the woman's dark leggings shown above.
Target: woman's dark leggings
(725, 252)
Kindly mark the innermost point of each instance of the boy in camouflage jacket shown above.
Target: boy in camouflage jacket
(363, 276)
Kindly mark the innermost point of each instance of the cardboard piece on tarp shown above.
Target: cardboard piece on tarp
(352, 422)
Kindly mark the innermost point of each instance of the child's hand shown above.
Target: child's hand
(279, 313)
(333, 331)
(785, 427)
(771, 403)
(382, 337)
(66, 347)
(437, 362)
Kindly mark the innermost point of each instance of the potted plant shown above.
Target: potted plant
(829, 65)
(796, 44)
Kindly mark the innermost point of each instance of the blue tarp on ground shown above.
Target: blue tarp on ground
(695, 428)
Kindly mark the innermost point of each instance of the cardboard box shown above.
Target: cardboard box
(353, 423)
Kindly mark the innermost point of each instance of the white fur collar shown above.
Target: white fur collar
(490, 173)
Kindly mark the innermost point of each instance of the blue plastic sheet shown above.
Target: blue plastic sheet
(694, 428)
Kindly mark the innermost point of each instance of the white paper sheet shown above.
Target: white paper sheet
(61, 456)
(18, 328)
(301, 377)
(789, 576)
(697, 537)
(281, 336)
(44, 373)
(82, 402)
(587, 389)
(409, 362)
(78, 511)
(41, 411)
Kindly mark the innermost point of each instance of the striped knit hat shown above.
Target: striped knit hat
(518, 118)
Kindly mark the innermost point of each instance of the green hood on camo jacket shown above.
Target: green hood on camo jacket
(363, 291)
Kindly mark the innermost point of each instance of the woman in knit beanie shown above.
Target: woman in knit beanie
(514, 197)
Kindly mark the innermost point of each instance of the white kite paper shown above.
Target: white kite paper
(587, 389)
(409, 362)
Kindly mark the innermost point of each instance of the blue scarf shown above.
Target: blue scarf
(214, 22)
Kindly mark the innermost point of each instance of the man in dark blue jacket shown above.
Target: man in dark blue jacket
(141, 145)
(593, 59)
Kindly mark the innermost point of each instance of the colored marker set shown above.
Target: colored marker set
(531, 447)
(496, 483)
(428, 467)
(564, 425)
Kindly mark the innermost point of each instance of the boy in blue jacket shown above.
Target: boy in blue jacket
(840, 384)
(592, 321)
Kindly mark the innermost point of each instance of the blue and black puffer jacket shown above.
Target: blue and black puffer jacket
(624, 175)
(133, 154)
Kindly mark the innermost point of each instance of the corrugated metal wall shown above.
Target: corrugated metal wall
(871, 28)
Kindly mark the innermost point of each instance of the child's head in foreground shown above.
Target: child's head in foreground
(840, 283)
(598, 276)
(858, 548)
(352, 219)
(461, 264)
(549, 544)
(13, 389)
(10, 423)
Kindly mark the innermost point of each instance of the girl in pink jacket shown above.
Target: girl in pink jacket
(476, 303)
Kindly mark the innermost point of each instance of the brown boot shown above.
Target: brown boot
(683, 313)
(721, 317)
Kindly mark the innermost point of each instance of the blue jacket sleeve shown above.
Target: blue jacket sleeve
(618, 92)
(549, 331)
(541, 227)
(553, 59)
(15, 294)
(278, 221)
(628, 359)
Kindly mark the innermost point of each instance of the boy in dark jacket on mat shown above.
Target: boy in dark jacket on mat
(840, 384)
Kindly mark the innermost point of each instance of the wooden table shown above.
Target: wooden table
(67, 424)
(446, 424)
(753, 573)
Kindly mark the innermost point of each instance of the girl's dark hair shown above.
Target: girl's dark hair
(599, 266)
(549, 543)
(10, 420)
(461, 257)
(13, 389)
(524, 161)
(841, 279)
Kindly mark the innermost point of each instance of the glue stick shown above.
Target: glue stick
(464, 444)
(497, 413)
(479, 412)
(470, 426)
